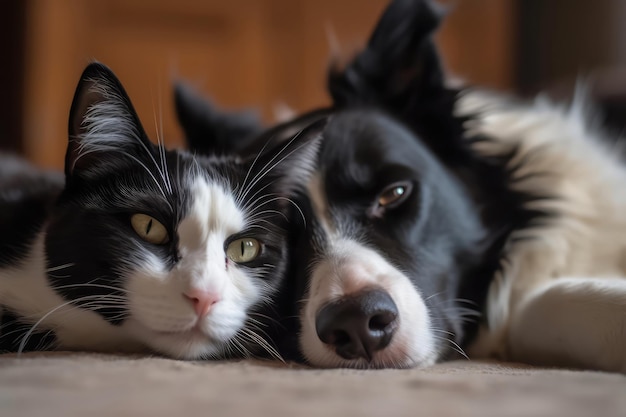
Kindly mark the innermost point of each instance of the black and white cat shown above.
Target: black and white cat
(143, 248)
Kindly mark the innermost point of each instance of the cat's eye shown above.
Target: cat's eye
(394, 195)
(243, 250)
(149, 229)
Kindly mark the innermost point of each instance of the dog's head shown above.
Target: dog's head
(391, 236)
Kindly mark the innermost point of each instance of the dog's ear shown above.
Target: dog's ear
(399, 63)
(209, 130)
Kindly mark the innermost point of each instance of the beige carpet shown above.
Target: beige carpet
(76, 384)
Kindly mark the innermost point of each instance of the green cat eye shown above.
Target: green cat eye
(149, 229)
(243, 250)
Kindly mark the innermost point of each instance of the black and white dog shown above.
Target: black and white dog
(443, 219)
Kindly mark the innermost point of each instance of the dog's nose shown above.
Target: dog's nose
(359, 324)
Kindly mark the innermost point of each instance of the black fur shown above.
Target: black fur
(26, 197)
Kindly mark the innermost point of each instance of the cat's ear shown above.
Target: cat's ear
(399, 62)
(103, 124)
(288, 165)
(209, 130)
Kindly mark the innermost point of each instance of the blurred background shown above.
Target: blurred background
(258, 53)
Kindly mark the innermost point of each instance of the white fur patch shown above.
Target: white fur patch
(563, 157)
(348, 267)
(160, 313)
(572, 322)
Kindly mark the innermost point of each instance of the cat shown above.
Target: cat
(143, 249)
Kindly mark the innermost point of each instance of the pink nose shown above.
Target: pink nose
(202, 300)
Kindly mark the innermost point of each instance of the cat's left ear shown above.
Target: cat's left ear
(288, 165)
(103, 124)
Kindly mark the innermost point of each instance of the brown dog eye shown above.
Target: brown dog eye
(394, 194)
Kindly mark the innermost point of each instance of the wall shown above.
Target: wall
(241, 52)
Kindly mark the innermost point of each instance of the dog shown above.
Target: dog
(446, 221)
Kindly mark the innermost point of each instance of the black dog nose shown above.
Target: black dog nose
(359, 324)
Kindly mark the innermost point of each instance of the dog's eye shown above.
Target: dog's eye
(243, 250)
(149, 229)
(394, 194)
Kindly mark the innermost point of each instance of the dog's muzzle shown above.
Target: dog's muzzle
(359, 324)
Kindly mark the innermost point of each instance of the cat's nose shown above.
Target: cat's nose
(202, 300)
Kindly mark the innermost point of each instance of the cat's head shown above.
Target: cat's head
(183, 253)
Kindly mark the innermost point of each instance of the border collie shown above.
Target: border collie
(444, 220)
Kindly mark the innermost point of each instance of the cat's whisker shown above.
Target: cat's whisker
(255, 338)
(42, 345)
(196, 166)
(261, 213)
(178, 183)
(254, 326)
(269, 200)
(90, 285)
(153, 179)
(59, 267)
(268, 170)
(236, 343)
(265, 170)
(161, 167)
(45, 316)
(241, 194)
(162, 141)
(266, 317)
(226, 351)
(255, 223)
(290, 201)
(115, 300)
(256, 226)
(257, 322)
(253, 199)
